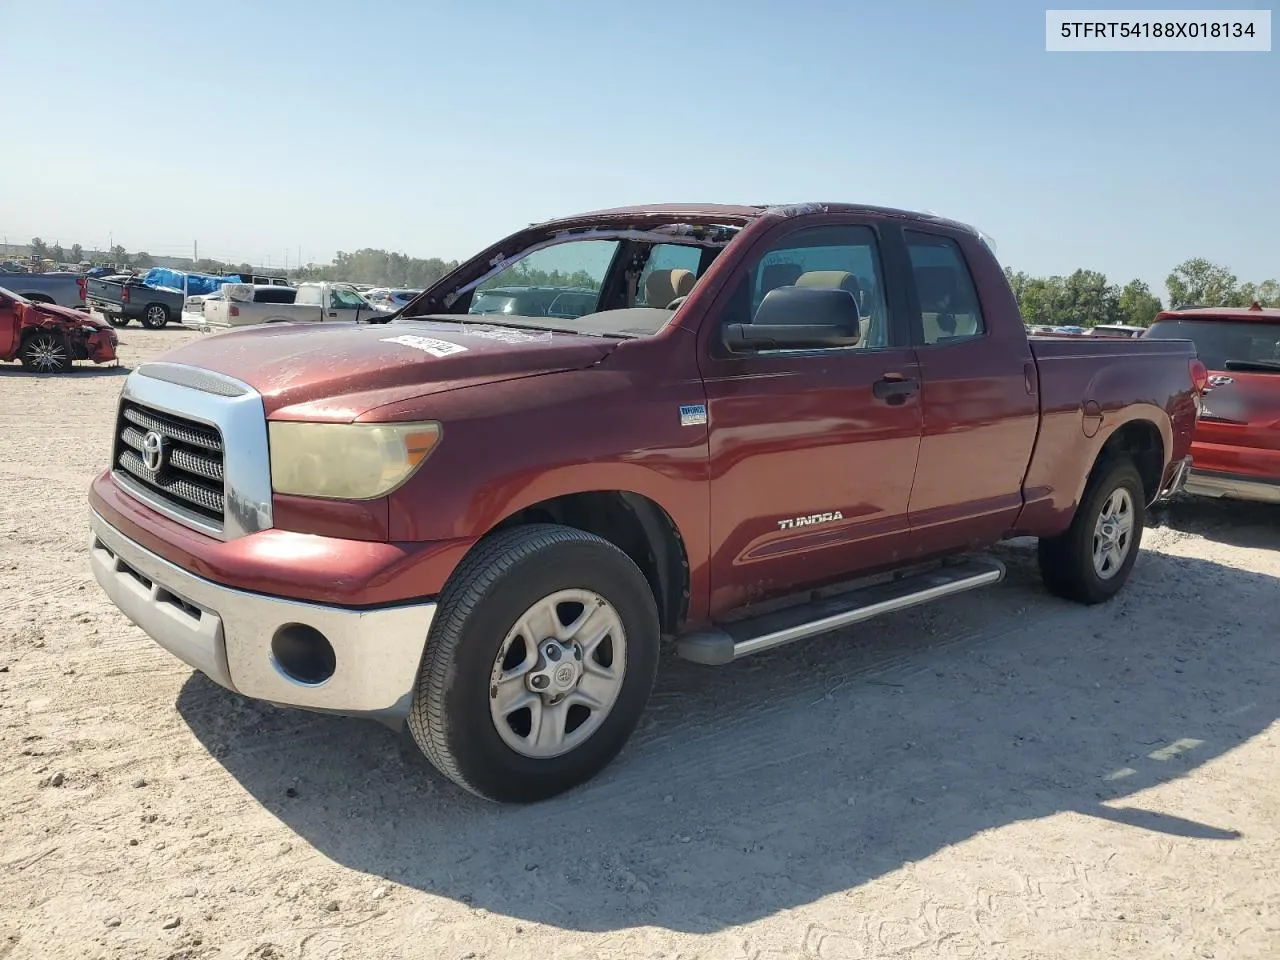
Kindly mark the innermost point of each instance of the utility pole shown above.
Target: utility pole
(195, 252)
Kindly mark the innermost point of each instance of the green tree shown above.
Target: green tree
(1199, 283)
(1137, 305)
(77, 253)
(39, 249)
(1090, 299)
(57, 253)
(1043, 300)
(119, 255)
(143, 260)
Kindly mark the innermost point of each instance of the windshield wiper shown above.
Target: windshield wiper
(1259, 366)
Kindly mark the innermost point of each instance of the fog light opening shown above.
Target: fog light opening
(303, 654)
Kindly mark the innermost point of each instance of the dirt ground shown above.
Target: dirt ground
(1000, 775)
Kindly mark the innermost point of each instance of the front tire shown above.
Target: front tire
(45, 352)
(1092, 560)
(155, 316)
(540, 660)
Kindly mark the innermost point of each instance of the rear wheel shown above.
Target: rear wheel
(1092, 560)
(117, 320)
(45, 352)
(541, 658)
(155, 316)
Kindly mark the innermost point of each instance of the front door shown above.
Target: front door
(812, 458)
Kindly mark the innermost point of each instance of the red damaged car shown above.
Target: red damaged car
(50, 339)
(1236, 451)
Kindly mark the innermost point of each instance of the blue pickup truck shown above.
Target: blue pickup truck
(63, 288)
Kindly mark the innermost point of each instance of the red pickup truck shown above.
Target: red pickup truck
(1237, 441)
(762, 423)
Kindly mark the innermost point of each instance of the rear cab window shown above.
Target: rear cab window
(1223, 343)
(948, 297)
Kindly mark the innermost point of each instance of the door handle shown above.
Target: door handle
(895, 388)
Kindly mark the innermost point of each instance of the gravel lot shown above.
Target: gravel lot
(1000, 775)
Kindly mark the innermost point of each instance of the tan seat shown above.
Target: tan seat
(838, 280)
(663, 286)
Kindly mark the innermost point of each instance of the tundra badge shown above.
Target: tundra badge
(812, 519)
(693, 414)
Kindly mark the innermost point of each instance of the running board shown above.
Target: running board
(719, 645)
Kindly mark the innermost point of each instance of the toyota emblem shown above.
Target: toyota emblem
(153, 450)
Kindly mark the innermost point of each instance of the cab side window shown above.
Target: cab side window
(949, 308)
(839, 257)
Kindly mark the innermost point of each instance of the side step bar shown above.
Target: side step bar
(720, 645)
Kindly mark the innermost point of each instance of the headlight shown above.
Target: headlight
(347, 461)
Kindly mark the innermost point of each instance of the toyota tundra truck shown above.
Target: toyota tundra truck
(767, 423)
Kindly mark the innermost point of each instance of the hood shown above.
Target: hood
(337, 371)
(1244, 398)
(78, 317)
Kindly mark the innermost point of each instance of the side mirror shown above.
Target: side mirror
(798, 318)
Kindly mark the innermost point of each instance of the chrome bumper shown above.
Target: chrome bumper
(1233, 487)
(227, 633)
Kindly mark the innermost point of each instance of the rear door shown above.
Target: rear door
(981, 412)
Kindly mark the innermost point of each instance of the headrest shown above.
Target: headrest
(831, 280)
(777, 275)
(663, 286)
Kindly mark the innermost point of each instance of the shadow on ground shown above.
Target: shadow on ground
(802, 773)
(84, 369)
(1233, 522)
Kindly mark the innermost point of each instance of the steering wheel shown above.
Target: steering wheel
(675, 304)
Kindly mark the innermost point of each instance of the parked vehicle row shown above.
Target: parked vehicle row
(485, 525)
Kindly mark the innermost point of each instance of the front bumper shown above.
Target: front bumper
(227, 634)
(1230, 486)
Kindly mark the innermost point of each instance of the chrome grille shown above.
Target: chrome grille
(190, 476)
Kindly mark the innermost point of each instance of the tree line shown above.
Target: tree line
(1086, 298)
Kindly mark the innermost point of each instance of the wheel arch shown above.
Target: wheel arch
(636, 525)
(1143, 442)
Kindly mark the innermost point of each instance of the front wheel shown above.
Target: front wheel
(155, 316)
(540, 661)
(1092, 560)
(45, 352)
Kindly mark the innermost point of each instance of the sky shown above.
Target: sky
(264, 130)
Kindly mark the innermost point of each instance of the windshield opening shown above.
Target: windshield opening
(1220, 342)
(583, 280)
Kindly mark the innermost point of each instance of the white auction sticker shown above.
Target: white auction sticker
(437, 348)
(1167, 31)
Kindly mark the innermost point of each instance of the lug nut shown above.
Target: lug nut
(553, 652)
(541, 682)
